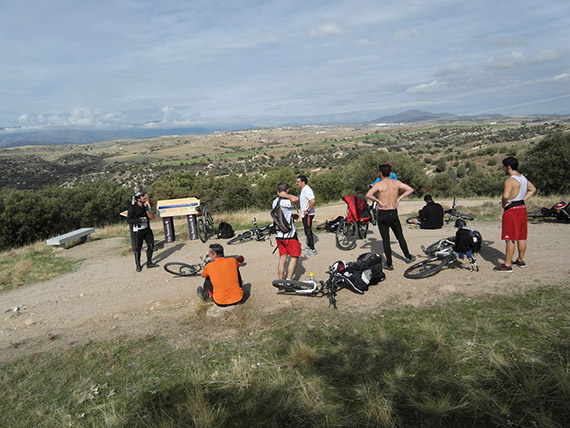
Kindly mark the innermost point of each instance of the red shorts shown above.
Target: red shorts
(514, 224)
(289, 246)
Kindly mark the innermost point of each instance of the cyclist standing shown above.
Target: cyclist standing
(388, 190)
(517, 189)
(307, 201)
(287, 242)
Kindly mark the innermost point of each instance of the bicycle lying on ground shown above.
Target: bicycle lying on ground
(453, 214)
(257, 233)
(559, 211)
(440, 254)
(311, 287)
(185, 269)
(206, 226)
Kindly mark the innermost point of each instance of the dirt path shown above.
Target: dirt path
(106, 298)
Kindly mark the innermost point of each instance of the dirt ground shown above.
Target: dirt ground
(106, 298)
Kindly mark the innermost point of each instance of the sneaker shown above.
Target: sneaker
(139, 268)
(410, 259)
(310, 253)
(304, 250)
(519, 264)
(203, 294)
(150, 265)
(503, 268)
(388, 267)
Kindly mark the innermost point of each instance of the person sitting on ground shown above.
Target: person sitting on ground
(464, 244)
(222, 283)
(430, 216)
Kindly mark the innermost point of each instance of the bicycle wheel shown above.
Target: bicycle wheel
(410, 220)
(464, 216)
(182, 269)
(362, 230)
(242, 237)
(294, 286)
(436, 246)
(210, 229)
(322, 226)
(202, 233)
(536, 214)
(346, 235)
(425, 268)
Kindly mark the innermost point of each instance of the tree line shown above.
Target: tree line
(27, 216)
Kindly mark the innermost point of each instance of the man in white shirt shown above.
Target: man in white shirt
(307, 200)
(287, 243)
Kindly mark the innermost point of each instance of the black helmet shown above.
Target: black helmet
(460, 223)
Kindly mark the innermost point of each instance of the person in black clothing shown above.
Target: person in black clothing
(139, 216)
(431, 216)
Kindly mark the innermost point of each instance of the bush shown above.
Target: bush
(546, 164)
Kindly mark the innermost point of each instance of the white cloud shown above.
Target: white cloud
(326, 30)
(363, 42)
(513, 59)
(406, 33)
(433, 86)
(563, 76)
(451, 70)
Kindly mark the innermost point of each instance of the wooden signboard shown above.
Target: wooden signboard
(174, 207)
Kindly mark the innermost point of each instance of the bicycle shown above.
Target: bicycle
(354, 225)
(558, 211)
(185, 269)
(454, 213)
(206, 226)
(257, 233)
(440, 254)
(311, 287)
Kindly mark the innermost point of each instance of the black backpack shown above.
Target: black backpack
(225, 230)
(564, 214)
(332, 225)
(279, 219)
(366, 270)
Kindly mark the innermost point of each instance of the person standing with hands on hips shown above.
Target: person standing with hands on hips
(517, 189)
(307, 202)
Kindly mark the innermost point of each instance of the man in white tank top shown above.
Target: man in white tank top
(514, 222)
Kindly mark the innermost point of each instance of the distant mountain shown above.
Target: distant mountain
(74, 136)
(411, 116)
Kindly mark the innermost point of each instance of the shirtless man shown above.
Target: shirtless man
(514, 223)
(388, 190)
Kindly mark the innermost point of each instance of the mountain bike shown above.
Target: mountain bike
(185, 269)
(257, 233)
(558, 211)
(311, 287)
(206, 226)
(354, 225)
(440, 254)
(454, 213)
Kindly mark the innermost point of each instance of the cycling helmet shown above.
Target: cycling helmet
(139, 195)
(338, 266)
(460, 223)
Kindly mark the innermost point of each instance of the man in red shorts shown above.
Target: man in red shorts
(514, 225)
(287, 243)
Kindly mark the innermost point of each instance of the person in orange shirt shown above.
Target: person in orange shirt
(222, 282)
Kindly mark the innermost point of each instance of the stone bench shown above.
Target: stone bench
(63, 240)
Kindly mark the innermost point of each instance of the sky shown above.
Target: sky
(182, 63)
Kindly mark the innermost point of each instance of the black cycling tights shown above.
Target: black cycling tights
(388, 219)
